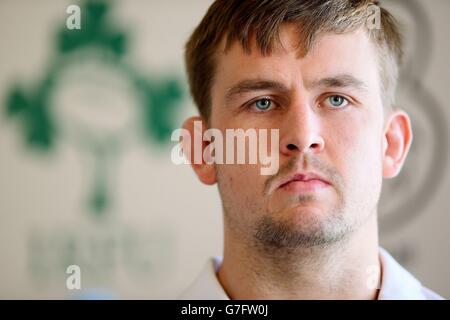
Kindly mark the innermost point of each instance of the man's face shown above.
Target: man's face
(328, 108)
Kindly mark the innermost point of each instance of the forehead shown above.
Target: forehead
(331, 54)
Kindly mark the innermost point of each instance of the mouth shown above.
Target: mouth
(303, 183)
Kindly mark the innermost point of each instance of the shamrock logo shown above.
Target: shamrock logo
(85, 95)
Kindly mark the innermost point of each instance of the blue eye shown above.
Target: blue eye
(263, 104)
(337, 101)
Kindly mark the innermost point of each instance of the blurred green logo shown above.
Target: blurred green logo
(85, 97)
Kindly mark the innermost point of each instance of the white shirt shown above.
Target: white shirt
(396, 283)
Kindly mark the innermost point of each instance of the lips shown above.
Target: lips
(303, 182)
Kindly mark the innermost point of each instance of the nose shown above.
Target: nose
(301, 132)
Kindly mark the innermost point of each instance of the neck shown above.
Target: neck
(342, 270)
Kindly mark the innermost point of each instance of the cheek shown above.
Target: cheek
(241, 190)
(356, 153)
(240, 180)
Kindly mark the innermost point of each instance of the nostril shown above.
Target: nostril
(291, 147)
(315, 146)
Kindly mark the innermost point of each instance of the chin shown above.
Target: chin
(312, 211)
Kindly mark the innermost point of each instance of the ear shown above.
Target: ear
(193, 150)
(396, 143)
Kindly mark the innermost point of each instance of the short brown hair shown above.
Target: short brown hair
(240, 20)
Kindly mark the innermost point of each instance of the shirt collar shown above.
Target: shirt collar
(396, 282)
(207, 286)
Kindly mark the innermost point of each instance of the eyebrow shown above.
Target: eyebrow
(251, 85)
(339, 81)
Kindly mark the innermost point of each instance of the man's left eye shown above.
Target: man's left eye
(336, 101)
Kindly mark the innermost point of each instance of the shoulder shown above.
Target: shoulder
(206, 286)
(398, 284)
(431, 295)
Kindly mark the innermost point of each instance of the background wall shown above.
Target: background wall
(85, 170)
